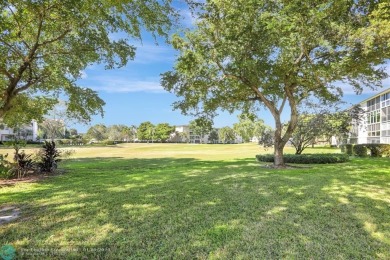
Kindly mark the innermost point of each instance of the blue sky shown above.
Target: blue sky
(133, 93)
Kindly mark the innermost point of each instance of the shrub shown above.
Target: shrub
(349, 149)
(360, 150)
(65, 141)
(24, 164)
(33, 142)
(306, 158)
(379, 150)
(5, 167)
(49, 157)
(17, 145)
(109, 142)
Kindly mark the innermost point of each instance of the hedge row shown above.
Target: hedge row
(347, 148)
(306, 158)
(361, 150)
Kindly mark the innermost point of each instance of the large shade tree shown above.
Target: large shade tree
(247, 54)
(46, 44)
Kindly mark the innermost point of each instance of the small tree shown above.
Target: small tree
(184, 137)
(341, 124)
(97, 132)
(248, 126)
(52, 129)
(226, 134)
(213, 136)
(309, 127)
(266, 138)
(145, 131)
(163, 131)
(119, 133)
(323, 120)
(201, 127)
(16, 144)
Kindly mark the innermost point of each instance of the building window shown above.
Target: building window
(385, 114)
(374, 117)
(374, 104)
(385, 99)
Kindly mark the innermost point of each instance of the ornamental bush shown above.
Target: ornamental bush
(49, 157)
(360, 150)
(349, 149)
(109, 142)
(379, 150)
(306, 158)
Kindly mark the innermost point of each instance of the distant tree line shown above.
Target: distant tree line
(312, 128)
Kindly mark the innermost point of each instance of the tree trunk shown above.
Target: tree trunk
(278, 145)
(278, 154)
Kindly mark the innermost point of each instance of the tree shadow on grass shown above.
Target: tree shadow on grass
(188, 208)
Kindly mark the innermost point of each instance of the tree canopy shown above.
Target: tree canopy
(245, 55)
(163, 132)
(201, 126)
(45, 46)
(145, 131)
(98, 132)
(226, 135)
(52, 129)
(249, 126)
(213, 136)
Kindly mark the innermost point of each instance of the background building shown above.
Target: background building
(375, 128)
(27, 132)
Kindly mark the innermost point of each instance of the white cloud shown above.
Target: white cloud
(152, 53)
(120, 85)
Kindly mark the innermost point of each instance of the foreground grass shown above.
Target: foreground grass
(158, 150)
(202, 207)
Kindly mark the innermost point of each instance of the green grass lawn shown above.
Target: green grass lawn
(209, 202)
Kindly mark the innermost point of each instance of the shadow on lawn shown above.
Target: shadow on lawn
(187, 208)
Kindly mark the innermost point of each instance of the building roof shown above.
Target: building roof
(376, 95)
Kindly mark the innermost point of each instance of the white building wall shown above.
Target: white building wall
(372, 130)
(35, 130)
(8, 133)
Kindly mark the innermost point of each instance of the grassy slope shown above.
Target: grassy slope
(143, 201)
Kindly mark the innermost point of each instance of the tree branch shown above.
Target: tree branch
(60, 37)
(283, 103)
(5, 72)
